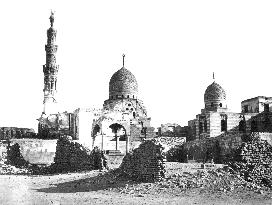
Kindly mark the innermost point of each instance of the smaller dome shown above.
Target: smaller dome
(215, 97)
(214, 92)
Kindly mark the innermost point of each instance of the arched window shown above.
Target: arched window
(200, 127)
(224, 124)
(205, 126)
(266, 107)
(220, 104)
(211, 104)
(133, 96)
(116, 96)
(134, 114)
(122, 96)
(254, 126)
(127, 96)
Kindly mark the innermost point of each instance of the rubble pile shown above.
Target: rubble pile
(71, 156)
(145, 163)
(210, 181)
(253, 161)
(6, 168)
(14, 156)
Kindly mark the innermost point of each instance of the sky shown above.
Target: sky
(172, 47)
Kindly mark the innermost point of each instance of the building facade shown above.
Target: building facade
(108, 128)
(216, 119)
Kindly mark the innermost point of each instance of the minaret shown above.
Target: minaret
(50, 70)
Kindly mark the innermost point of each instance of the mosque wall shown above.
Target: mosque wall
(209, 124)
(37, 151)
(84, 126)
(216, 148)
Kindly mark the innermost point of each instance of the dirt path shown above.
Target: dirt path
(84, 188)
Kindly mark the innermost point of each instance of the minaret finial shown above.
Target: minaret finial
(213, 76)
(124, 60)
(52, 18)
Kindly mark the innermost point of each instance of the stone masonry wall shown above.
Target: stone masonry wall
(253, 161)
(145, 163)
(221, 148)
(218, 149)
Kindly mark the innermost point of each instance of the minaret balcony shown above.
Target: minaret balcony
(51, 48)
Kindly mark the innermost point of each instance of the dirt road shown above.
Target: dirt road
(83, 188)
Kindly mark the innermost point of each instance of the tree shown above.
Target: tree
(115, 128)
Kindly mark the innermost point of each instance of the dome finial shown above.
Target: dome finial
(124, 60)
(213, 76)
(52, 18)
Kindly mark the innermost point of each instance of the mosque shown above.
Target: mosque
(109, 128)
(122, 123)
(217, 120)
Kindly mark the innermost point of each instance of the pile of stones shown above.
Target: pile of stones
(7, 168)
(145, 163)
(253, 161)
(14, 156)
(71, 156)
(209, 181)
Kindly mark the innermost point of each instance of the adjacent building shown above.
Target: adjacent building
(216, 119)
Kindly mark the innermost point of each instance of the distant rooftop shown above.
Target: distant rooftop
(258, 97)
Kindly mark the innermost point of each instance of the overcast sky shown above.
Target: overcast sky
(172, 48)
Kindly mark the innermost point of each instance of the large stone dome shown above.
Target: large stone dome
(215, 96)
(123, 84)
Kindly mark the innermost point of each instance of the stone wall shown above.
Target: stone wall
(253, 161)
(218, 149)
(138, 135)
(146, 163)
(34, 151)
(14, 132)
(71, 156)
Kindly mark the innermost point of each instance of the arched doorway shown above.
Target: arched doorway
(119, 132)
(254, 126)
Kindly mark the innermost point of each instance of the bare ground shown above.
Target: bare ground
(96, 187)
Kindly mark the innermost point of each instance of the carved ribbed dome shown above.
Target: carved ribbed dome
(214, 93)
(123, 84)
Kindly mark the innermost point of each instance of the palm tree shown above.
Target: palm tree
(115, 128)
(96, 129)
